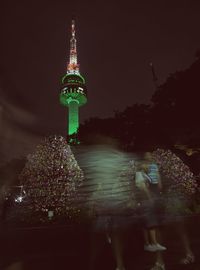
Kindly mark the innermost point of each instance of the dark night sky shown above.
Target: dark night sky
(116, 42)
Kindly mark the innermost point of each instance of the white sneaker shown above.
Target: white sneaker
(151, 248)
(159, 247)
(158, 266)
(108, 239)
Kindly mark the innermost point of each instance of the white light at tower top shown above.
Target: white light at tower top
(73, 67)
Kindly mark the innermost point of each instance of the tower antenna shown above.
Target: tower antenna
(155, 78)
(73, 66)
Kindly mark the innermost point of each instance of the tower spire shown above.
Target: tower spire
(73, 67)
(155, 78)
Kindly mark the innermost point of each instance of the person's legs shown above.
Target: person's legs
(159, 264)
(184, 237)
(152, 236)
(151, 242)
(189, 256)
(159, 258)
(150, 221)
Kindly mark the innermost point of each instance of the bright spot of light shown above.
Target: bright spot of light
(19, 199)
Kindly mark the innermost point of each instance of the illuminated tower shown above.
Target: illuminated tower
(73, 90)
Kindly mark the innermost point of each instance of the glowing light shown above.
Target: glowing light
(80, 90)
(50, 214)
(73, 117)
(19, 199)
(67, 74)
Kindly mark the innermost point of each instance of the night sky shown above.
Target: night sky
(116, 42)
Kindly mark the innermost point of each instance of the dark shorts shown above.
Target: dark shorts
(147, 213)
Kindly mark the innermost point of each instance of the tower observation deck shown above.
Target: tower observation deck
(73, 92)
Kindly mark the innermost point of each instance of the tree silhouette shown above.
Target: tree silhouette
(173, 116)
(176, 104)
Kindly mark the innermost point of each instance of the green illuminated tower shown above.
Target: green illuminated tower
(73, 90)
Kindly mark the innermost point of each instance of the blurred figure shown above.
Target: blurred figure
(149, 218)
(153, 188)
(189, 256)
(153, 173)
(106, 193)
(180, 185)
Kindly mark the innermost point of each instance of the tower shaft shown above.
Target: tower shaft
(73, 117)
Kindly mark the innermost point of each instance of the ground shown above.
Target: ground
(68, 247)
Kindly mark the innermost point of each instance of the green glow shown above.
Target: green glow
(73, 95)
(66, 98)
(73, 118)
(66, 75)
(73, 140)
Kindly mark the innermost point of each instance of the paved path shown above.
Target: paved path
(64, 247)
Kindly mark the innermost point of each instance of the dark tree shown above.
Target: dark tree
(176, 105)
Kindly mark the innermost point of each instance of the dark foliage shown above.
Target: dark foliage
(171, 119)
